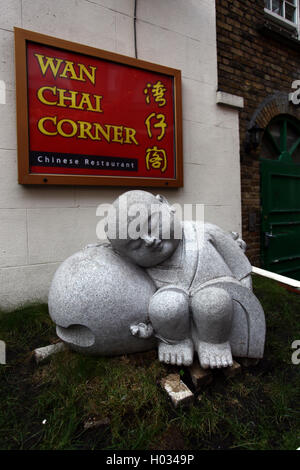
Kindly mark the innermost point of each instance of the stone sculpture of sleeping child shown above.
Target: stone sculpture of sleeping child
(187, 312)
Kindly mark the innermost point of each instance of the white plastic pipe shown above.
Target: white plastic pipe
(276, 277)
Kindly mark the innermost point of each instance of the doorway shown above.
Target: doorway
(280, 196)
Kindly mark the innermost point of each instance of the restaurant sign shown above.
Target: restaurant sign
(91, 117)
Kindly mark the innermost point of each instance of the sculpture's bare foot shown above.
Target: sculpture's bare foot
(214, 355)
(181, 353)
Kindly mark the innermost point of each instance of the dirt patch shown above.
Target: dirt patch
(171, 439)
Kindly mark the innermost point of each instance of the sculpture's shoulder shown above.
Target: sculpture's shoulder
(209, 229)
(229, 248)
(213, 231)
(200, 232)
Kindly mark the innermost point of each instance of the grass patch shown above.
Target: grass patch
(256, 410)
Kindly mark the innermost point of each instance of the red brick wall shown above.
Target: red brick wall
(254, 64)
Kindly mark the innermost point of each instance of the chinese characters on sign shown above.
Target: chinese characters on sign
(96, 115)
(156, 158)
(158, 90)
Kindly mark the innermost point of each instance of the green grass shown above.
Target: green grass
(258, 409)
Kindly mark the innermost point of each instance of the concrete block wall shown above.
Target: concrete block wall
(41, 226)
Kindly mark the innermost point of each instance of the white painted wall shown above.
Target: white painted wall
(41, 226)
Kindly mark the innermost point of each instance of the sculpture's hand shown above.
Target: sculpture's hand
(142, 330)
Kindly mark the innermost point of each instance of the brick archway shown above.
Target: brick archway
(272, 106)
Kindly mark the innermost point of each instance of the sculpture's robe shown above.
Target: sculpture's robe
(205, 253)
(209, 256)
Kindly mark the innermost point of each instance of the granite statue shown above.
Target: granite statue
(187, 289)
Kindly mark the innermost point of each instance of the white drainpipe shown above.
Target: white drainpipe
(276, 277)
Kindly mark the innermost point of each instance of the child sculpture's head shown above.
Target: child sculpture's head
(147, 229)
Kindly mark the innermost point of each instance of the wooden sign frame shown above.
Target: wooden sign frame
(23, 39)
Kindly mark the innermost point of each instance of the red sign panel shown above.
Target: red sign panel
(95, 117)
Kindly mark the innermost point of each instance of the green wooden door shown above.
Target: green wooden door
(280, 197)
